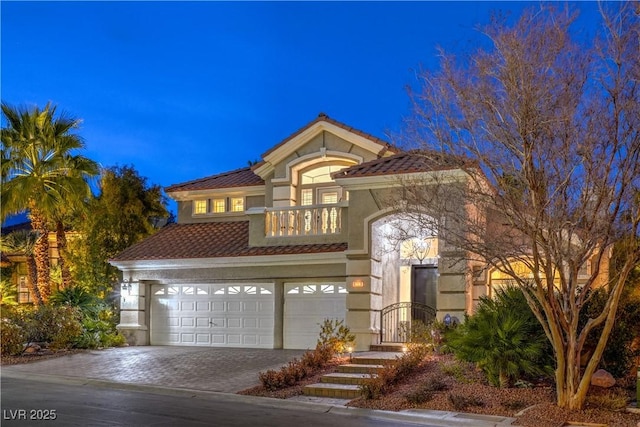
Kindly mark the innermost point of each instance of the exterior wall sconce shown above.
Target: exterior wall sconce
(126, 285)
(358, 283)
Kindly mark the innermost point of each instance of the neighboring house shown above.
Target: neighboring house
(15, 264)
(260, 256)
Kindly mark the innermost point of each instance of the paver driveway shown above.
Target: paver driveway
(213, 369)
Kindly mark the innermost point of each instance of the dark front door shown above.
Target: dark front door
(424, 285)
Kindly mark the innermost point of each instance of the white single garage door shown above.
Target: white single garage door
(217, 315)
(306, 306)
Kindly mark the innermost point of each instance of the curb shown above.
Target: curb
(430, 417)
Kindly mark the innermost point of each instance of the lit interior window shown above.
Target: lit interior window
(219, 205)
(200, 207)
(237, 204)
(307, 197)
(328, 198)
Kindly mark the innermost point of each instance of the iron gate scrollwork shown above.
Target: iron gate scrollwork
(396, 320)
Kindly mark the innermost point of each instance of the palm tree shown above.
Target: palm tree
(40, 172)
(23, 242)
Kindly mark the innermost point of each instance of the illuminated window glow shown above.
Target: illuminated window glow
(219, 205)
(200, 207)
(237, 204)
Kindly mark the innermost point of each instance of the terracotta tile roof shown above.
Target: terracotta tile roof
(405, 162)
(211, 240)
(237, 178)
(322, 117)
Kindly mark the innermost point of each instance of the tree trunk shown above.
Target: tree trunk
(61, 239)
(41, 254)
(32, 276)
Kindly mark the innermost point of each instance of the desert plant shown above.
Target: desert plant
(391, 373)
(336, 335)
(427, 390)
(58, 326)
(296, 370)
(8, 292)
(461, 402)
(503, 338)
(609, 400)
(12, 338)
(618, 357)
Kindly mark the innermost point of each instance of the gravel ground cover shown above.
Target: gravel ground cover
(462, 388)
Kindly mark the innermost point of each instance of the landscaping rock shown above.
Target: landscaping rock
(602, 378)
(32, 348)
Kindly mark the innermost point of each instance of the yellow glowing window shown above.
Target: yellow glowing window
(219, 205)
(237, 204)
(200, 207)
(307, 197)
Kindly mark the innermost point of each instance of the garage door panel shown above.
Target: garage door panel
(306, 307)
(215, 315)
(202, 306)
(203, 339)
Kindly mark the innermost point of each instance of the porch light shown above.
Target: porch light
(358, 283)
(350, 351)
(126, 285)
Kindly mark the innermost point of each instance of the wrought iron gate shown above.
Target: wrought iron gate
(396, 320)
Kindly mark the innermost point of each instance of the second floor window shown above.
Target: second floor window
(200, 207)
(318, 188)
(237, 204)
(219, 205)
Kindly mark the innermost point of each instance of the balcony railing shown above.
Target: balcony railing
(316, 220)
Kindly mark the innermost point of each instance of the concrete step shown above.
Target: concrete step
(353, 368)
(336, 391)
(345, 378)
(372, 360)
(387, 347)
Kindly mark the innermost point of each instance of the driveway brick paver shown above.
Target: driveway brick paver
(212, 369)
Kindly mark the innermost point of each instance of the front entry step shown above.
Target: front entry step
(345, 384)
(393, 347)
(340, 391)
(345, 378)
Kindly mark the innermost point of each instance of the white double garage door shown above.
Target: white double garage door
(242, 315)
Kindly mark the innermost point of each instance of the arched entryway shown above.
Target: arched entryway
(407, 253)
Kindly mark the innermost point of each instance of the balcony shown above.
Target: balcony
(314, 220)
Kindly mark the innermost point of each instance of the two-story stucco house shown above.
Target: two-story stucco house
(260, 256)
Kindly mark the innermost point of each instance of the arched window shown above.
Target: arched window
(316, 187)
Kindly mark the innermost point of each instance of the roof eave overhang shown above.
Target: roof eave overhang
(242, 261)
(253, 190)
(285, 149)
(400, 180)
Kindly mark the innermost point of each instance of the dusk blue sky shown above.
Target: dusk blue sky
(183, 90)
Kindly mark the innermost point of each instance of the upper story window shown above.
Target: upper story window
(237, 204)
(318, 188)
(219, 205)
(200, 207)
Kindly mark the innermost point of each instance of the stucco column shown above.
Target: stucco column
(364, 301)
(133, 312)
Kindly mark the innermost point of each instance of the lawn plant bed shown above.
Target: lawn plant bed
(43, 354)
(462, 388)
(443, 383)
(296, 390)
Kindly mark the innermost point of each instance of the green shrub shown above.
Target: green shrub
(336, 335)
(619, 356)
(296, 370)
(12, 338)
(503, 338)
(98, 318)
(58, 326)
